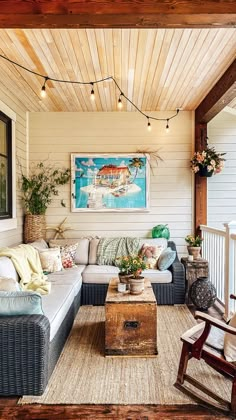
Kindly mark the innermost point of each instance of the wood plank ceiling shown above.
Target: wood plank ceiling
(158, 69)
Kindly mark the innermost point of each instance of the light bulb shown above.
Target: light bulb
(92, 95)
(149, 127)
(43, 92)
(167, 126)
(120, 105)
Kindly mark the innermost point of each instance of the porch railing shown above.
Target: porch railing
(219, 249)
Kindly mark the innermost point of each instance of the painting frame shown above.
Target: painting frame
(110, 182)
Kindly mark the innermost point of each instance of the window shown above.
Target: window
(5, 167)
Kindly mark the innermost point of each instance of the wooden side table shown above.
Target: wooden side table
(194, 270)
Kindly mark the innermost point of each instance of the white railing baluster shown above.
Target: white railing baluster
(213, 252)
(219, 249)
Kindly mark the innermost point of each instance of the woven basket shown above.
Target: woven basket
(34, 227)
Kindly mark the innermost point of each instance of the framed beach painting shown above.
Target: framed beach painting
(110, 182)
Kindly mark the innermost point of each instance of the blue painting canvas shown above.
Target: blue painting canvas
(110, 182)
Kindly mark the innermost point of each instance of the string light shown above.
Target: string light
(167, 126)
(43, 92)
(120, 105)
(92, 95)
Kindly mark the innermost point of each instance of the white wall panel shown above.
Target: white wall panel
(54, 136)
(222, 187)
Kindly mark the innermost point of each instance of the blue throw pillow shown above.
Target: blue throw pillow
(20, 303)
(166, 258)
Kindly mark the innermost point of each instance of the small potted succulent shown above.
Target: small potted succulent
(194, 245)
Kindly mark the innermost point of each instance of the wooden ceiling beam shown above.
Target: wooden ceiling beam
(220, 95)
(117, 13)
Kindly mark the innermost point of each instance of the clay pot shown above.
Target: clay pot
(195, 251)
(136, 285)
(124, 278)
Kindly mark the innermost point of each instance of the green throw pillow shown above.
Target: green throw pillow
(20, 303)
(166, 258)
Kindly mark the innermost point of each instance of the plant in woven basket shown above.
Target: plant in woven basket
(41, 186)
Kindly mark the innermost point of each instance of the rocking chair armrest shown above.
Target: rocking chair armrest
(215, 322)
(197, 346)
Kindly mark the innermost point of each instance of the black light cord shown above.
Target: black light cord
(91, 83)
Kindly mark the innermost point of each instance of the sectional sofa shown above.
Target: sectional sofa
(31, 344)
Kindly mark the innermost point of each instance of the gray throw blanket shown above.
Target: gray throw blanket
(111, 248)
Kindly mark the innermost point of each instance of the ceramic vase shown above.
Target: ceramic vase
(195, 251)
(136, 285)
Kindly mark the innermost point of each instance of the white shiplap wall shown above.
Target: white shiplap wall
(54, 136)
(14, 236)
(222, 187)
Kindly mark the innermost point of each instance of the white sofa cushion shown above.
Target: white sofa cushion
(93, 246)
(102, 274)
(7, 268)
(68, 276)
(157, 276)
(82, 251)
(99, 273)
(56, 305)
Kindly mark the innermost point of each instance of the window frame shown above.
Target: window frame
(10, 222)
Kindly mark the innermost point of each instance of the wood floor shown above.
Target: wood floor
(9, 410)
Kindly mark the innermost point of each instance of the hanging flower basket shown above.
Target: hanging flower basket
(207, 162)
(203, 172)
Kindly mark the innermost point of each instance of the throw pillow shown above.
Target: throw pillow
(68, 255)
(20, 303)
(39, 245)
(166, 258)
(150, 254)
(50, 259)
(230, 342)
(8, 284)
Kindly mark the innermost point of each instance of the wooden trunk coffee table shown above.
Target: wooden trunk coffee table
(131, 322)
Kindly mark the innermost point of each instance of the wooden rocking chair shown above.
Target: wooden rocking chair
(195, 346)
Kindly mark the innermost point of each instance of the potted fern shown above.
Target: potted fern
(38, 190)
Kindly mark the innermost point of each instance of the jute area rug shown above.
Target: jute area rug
(84, 376)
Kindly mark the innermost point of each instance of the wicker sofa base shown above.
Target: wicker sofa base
(95, 294)
(27, 359)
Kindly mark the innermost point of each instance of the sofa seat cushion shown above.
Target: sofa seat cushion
(157, 276)
(101, 274)
(56, 305)
(70, 276)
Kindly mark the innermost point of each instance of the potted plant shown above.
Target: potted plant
(38, 190)
(194, 245)
(137, 265)
(207, 162)
(123, 263)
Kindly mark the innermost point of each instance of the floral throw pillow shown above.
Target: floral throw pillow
(68, 255)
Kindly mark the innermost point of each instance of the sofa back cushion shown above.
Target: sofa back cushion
(82, 251)
(93, 246)
(7, 268)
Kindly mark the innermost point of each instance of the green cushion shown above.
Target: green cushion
(166, 258)
(20, 303)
